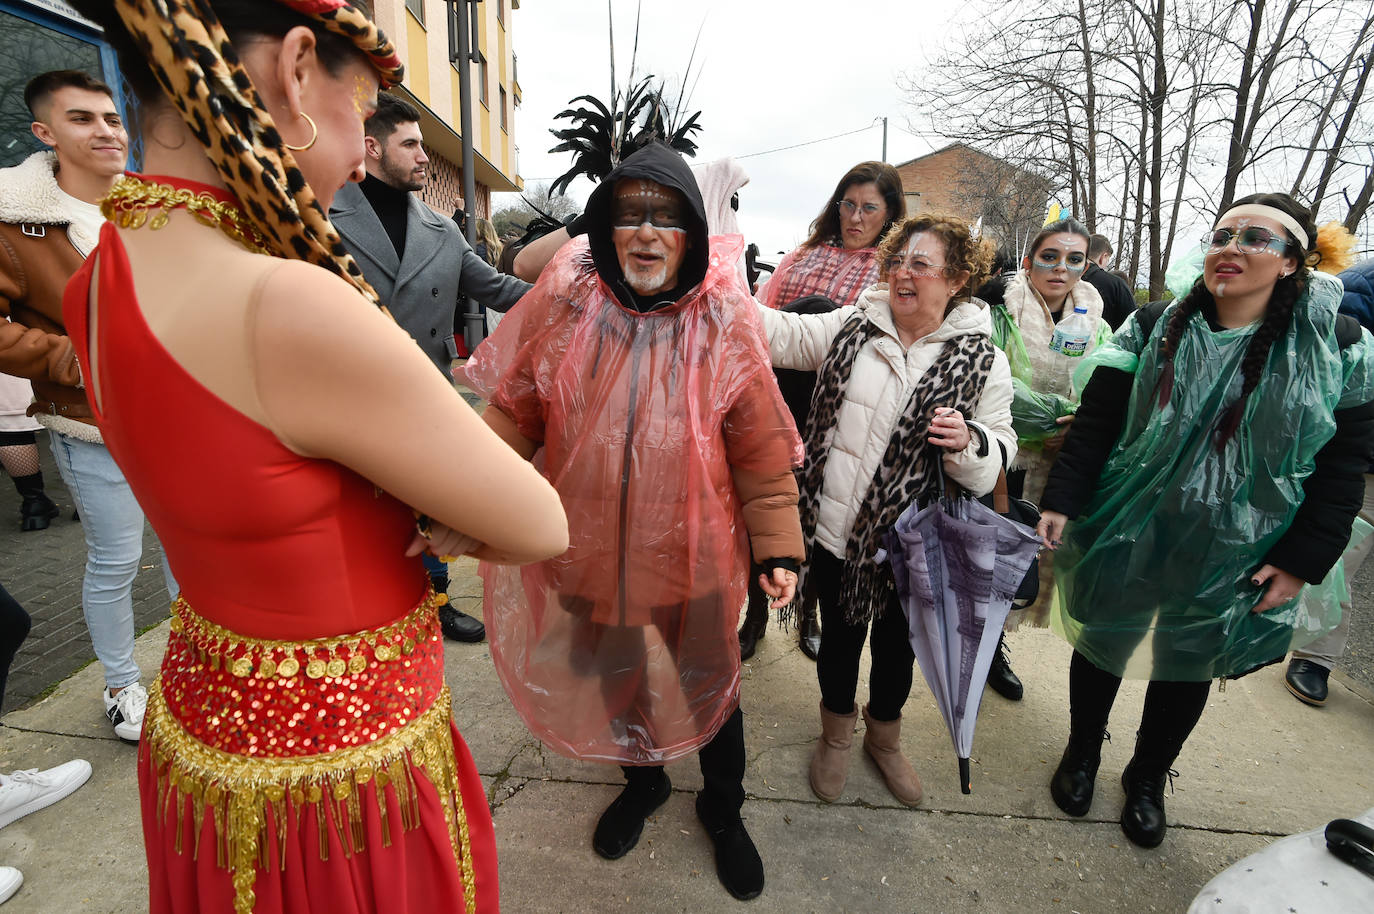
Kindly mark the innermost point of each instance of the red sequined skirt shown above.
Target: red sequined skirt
(315, 776)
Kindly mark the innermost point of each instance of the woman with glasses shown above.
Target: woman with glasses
(1215, 465)
(906, 376)
(1045, 291)
(836, 259)
(835, 262)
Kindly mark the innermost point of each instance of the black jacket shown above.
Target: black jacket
(1118, 301)
(1332, 495)
(661, 165)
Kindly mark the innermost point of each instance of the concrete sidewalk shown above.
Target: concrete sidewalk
(1260, 765)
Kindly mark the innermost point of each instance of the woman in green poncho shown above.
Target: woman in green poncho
(1214, 466)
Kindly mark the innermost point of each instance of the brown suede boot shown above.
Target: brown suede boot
(830, 762)
(883, 743)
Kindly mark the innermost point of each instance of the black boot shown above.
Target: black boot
(1074, 779)
(1003, 681)
(1142, 818)
(809, 626)
(37, 509)
(618, 830)
(456, 625)
(755, 620)
(738, 865)
(1172, 710)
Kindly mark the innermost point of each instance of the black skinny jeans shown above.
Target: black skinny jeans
(842, 644)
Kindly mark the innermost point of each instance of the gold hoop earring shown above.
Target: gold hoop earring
(314, 134)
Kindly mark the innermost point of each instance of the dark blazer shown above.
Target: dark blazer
(421, 287)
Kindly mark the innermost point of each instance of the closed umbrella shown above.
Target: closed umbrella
(957, 565)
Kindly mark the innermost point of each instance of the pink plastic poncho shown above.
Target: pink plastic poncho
(623, 649)
(838, 274)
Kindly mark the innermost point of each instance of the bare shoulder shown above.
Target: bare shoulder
(312, 308)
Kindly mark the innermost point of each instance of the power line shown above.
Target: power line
(823, 139)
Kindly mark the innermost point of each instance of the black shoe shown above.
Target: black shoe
(1142, 818)
(618, 830)
(459, 626)
(1074, 779)
(754, 628)
(37, 511)
(738, 865)
(1003, 681)
(1307, 681)
(809, 630)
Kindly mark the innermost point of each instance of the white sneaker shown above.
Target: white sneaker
(28, 791)
(10, 881)
(125, 711)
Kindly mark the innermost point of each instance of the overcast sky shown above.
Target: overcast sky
(772, 73)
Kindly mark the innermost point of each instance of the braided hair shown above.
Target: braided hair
(1278, 314)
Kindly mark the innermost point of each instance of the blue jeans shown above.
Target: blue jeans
(435, 567)
(113, 524)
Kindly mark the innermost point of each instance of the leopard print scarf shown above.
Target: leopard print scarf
(907, 472)
(199, 70)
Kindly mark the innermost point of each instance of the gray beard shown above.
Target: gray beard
(647, 284)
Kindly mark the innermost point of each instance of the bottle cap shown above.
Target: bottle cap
(1080, 309)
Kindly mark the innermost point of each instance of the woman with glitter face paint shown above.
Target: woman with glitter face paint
(1043, 292)
(1215, 466)
(298, 751)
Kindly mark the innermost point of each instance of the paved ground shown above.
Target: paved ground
(1260, 765)
(43, 570)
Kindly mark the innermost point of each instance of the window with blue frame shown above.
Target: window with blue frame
(44, 36)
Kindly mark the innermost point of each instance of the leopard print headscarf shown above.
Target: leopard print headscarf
(907, 470)
(200, 71)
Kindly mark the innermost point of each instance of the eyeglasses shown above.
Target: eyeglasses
(1248, 240)
(659, 214)
(914, 266)
(657, 223)
(847, 208)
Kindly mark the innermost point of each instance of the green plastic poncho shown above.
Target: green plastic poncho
(1154, 576)
(1033, 413)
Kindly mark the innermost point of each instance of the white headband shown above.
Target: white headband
(1268, 212)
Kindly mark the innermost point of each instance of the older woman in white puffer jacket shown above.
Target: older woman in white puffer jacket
(908, 373)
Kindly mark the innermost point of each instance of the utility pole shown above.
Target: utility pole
(465, 12)
(884, 139)
(461, 53)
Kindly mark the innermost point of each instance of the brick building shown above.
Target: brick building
(971, 184)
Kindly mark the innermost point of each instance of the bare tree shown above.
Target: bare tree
(1150, 115)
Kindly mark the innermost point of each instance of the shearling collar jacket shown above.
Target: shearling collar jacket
(38, 254)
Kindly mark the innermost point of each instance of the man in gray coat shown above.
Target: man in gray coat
(418, 262)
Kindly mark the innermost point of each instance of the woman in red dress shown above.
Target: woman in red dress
(281, 433)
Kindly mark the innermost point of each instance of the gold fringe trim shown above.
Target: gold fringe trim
(237, 791)
(333, 657)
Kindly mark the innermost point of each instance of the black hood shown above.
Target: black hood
(661, 165)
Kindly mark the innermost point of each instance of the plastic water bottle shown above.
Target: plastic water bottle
(1071, 335)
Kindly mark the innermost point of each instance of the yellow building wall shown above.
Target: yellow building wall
(432, 79)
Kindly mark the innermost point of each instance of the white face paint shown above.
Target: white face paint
(1221, 290)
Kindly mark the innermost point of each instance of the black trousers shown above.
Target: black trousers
(842, 644)
(14, 628)
(1172, 710)
(722, 767)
